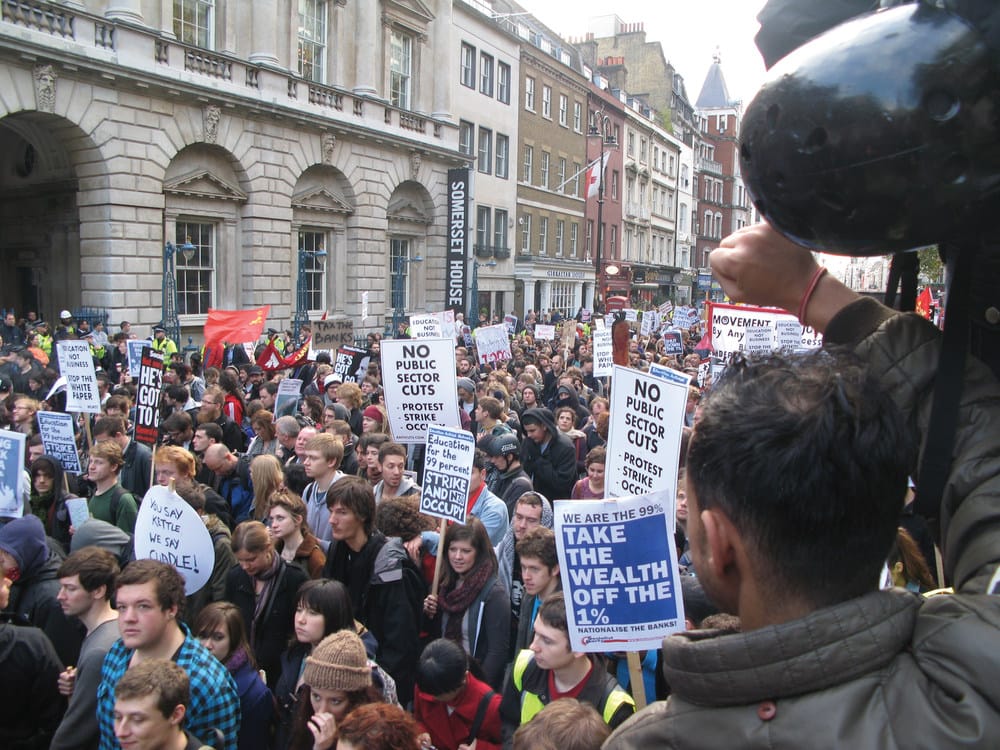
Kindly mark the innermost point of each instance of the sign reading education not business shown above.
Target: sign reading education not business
(619, 575)
(77, 366)
(425, 326)
(421, 387)
(447, 472)
(58, 439)
(603, 353)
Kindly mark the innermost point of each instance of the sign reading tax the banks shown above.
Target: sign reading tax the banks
(420, 386)
(458, 232)
(447, 473)
(644, 440)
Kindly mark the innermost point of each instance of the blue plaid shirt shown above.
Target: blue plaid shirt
(215, 702)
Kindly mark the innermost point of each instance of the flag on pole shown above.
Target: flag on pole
(594, 175)
(235, 326)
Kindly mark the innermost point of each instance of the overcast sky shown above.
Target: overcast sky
(689, 30)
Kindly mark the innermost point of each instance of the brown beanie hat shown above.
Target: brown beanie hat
(339, 662)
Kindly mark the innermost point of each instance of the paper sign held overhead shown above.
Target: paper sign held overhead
(171, 531)
(420, 387)
(447, 469)
(77, 366)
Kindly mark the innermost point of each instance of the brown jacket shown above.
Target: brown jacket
(309, 556)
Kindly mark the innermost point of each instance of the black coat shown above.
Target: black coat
(552, 472)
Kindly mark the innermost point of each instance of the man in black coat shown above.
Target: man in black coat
(548, 456)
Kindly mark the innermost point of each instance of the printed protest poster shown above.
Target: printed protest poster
(447, 472)
(510, 323)
(493, 344)
(644, 440)
(447, 318)
(171, 531)
(631, 315)
(351, 363)
(425, 327)
(287, 399)
(12, 474)
(585, 314)
(685, 317)
(420, 385)
(544, 332)
(135, 347)
(332, 333)
(759, 340)
(147, 397)
(467, 337)
(730, 324)
(788, 334)
(77, 367)
(603, 353)
(609, 320)
(672, 343)
(650, 323)
(665, 309)
(619, 574)
(58, 439)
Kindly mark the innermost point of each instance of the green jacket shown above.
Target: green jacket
(101, 507)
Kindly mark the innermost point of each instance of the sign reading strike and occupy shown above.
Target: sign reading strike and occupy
(147, 397)
(135, 347)
(617, 562)
(644, 440)
(604, 361)
(351, 363)
(458, 233)
(77, 367)
(171, 531)
(731, 323)
(332, 333)
(286, 401)
(12, 447)
(672, 342)
(493, 344)
(421, 387)
(425, 327)
(545, 332)
(447, 471)
(58, 440)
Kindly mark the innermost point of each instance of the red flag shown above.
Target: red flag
(300, 355)
(235, 326)
(924, 302)
(271, 359)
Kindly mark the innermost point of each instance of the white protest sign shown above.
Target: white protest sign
(631, 315)
(758, 340)
(729, 325)
(666, 308)
(421, 387)
(510, 323)
(609, 320)
(425, 327)
(286, 401)
(493, 344)
(599, 323)
(685, 317)
(545, 332)
(58, 440)
(604, 361)
(789, 334)
(447, 318)
(171, 531)
(12, 474)
(77, 366)
(444, 492)
(79, 511)
(619, 575)
(644, 440)
(650, 323)
(135, 347)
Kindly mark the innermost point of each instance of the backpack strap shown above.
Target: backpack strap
(477, 722)
(117, 493)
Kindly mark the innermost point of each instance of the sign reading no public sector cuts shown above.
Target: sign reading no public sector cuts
(77, 367)
(147, 397)
(447, 473)
(644, 439)
(420, 385)
(58, 439)
(619, 572)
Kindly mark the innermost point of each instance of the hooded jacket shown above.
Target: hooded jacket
(98, 533)
(51, 508)
(505, 550)
(552, 467)
(30, 706)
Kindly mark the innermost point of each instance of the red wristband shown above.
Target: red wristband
(813, 282)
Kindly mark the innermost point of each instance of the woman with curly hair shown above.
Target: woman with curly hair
(378, 726)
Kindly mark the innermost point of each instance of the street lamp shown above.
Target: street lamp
(399, 289)
(168, 295)
(474, 302)
(302, 289)
(599, 118)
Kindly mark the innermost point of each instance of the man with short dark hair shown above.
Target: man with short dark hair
(483, 504)
(211, 411)
(540, 573)
(137, 459)
(548, 456)
(394, 482)
(151, 702)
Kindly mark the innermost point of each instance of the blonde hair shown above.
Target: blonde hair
(267, 477)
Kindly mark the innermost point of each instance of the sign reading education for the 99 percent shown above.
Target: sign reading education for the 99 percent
(730, 324)
(421, 387)
(448, 457)
(56, 429)
(493, 344)
(618, 569)
(77, 366)
(147, 397)
(644, 440)
(171, 531)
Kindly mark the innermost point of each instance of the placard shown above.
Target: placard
(604, 361)
(448, 456)
(58, 440)
(568, 334)
(351, 363)
(666, 308)
(631, 315)
(171, 531)
(544, 332)
(650, 323)
(420, 387)
(147, 397)
(510, 323)
(426, 327)
(730, 324)
(77, 366)
(12, 473)
(644, 438)
(585, 314)
(788, 334)
(492, 344)
(672, 342)
(619, 574)
(685, 317)
(333, 333)
(79, 511)
(135, 347)
(286, 402)
(759, 340)
(447, 318)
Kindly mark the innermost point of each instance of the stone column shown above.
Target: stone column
(442, 46)
(125, 10)
(546, 301)
(367, 48)
(529, 296)
(264, 36)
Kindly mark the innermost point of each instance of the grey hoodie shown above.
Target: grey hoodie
(505, 550)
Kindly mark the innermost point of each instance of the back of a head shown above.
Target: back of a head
(808, 457)
(379, 726)
(442, 667)
(564, 724)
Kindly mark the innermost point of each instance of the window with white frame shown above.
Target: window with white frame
(547, 102)
(503, 82)
(312, 241)
(529, 94)
(563, 110)
(485, 150)
(682, 218)
(312, 40)
(484, 217)
(399, 268)
(486, 74)
(613, 241)
(630, 148)
(194, 22)
(544, 168)
(500, 229)
(706, 227)
(527, 165)
(561, 297)
(400, 69)
(468, 66)
(560, 236)
(614, 184)
(466, 131)
(526, 234)
(578, 117)
(196, 277)
(543, 235)
(576, 177)
(588, 239)
(562, 175)
(503, 155)
(574, 238)
(642, 150)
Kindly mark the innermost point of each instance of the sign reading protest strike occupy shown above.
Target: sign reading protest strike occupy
(351, 363)
(12, 447)
(731, 323)
(458, 232)
(287, 399)
(493, 344)
(644, 440)
(147, 397)
(617, 563)
(421, 387)
(603, 353)
(332, 333)
(171, 531)
(426, 326)
(77, 366)
(135, 347)
(58, 440)
(447, 470)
